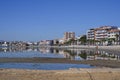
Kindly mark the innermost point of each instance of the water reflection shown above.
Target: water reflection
(90, 55)
(73, 54)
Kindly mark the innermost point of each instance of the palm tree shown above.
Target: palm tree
(91, 41)
(117, 37)
(69, 42)
(103, 41)
(72, 41)
(111, 40)
(96, 42)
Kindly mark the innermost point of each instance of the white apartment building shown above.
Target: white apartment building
(91, 34)
(104, 33)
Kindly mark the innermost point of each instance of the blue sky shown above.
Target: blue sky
(34, 20)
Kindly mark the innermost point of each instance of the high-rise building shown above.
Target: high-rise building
(69, 35)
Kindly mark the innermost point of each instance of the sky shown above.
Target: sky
(35, 20)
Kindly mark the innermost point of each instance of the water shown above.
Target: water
(72, 54)
(43, 66)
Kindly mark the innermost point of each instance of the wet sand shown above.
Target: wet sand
(98, 63)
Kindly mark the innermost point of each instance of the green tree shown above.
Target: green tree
(103, 41)
(83, 39)
(110, 40)
(69, 42)
(83, 55)
(117, 37)
(91, 41)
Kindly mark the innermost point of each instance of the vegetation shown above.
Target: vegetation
(83, 40)
(117, 37)
(83, 55)
(70, 41)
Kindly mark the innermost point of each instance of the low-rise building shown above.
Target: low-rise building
(46, 43)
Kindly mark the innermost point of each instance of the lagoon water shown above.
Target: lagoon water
(80, 54)
(43, 66)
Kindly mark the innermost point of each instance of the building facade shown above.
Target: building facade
(91, 34)
(104, 33)
(69, 35)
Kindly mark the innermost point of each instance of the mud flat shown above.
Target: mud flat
(98, 63)
(71, 74)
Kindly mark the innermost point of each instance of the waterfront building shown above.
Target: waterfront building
(104, 34)
(4, 43)
(69, 35)
(46, 43)
(56, 41)
(61, 41)
(1, 42)
(115, 35)
(91, 34)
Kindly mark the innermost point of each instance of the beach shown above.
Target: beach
(71, 74)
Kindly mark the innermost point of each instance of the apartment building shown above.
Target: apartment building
(104, 33)
(69, 35)
(114, 34)
(91, 34)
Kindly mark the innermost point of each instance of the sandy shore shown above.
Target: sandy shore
(72, 74)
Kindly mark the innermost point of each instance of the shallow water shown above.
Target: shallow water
(43, 66)
(76, 54)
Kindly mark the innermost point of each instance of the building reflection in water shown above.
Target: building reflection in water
(73, 54)
(90, 55)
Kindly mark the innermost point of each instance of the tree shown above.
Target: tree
(103, 41)
(83, 39)
(69, 42)
(57, 42)
(72, 41)
(111, 40)
(91, 41)
(83, 55)
(117, 37)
